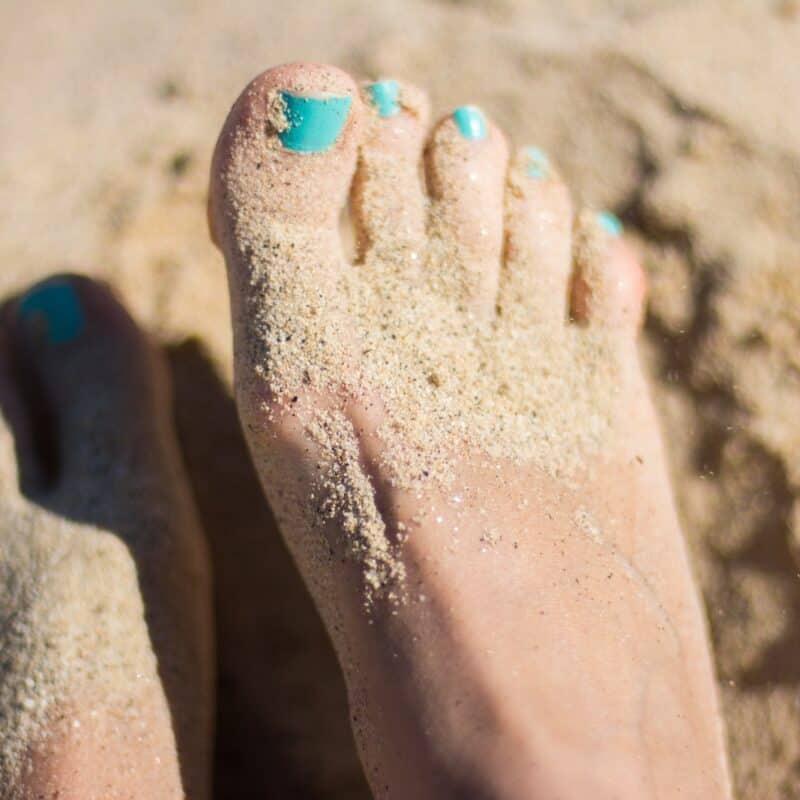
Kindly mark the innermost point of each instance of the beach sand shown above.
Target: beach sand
(681, 116)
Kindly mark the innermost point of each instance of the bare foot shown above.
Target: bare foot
(105, 662)
(458, 442)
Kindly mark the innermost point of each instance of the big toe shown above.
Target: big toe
(280, 179)
(97, 398)
(286, 153)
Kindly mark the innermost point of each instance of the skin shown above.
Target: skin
(552, 664)
(559, 664)
(86, 434)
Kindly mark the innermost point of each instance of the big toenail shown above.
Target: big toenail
(609, 223)
(384, 96)
(470, 122)
(536, 162)
(312, 124)
(52, 310)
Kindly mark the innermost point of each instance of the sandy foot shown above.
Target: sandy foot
(458, 442)
(105, 644)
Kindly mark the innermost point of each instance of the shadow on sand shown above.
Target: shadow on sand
(282, 727)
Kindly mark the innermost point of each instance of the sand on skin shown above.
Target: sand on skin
(700, 152)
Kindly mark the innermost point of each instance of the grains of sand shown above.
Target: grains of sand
(442, 381)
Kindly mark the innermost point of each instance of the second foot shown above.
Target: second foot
(457, 439)
(105, 628)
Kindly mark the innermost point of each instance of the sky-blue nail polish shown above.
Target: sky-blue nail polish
(536, 162)
(609, 223)
(470, 122)
(55, 306)
(312, 123)
(384, 96)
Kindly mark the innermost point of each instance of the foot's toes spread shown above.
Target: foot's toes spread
(400, 407)
(466, 162)
(538, 249)
(415, 325)
(609, 287)
(388, 199)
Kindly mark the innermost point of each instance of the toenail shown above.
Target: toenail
(384, 96)
(470, 122)
(609, 223)
(53, 309)
(536, 162)
(312, 124)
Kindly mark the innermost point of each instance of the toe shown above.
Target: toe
(280, 179)
(388, 200)
(95, 387)
(466, 165)
(609, 285)
(538, 251)
(286, 154)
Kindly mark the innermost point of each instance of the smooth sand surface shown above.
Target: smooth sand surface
(681, 116)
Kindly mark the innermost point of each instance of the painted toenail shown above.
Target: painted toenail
(384, 96)
(470, 122)
(609, 223)
(54, 309)
(312, 123)
(536, 162)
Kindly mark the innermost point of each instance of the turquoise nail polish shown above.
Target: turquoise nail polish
(56, 304)
(536, 162)
(384, 96)
(312, 123)
(609, 223)
(470, 122)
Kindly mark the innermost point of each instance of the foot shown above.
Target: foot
(104, 592)
(456, 437)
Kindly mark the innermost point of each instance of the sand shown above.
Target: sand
(414, 333)
(682, 116)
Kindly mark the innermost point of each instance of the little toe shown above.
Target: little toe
(466, 163)
(286, 155)
(538, 251)
(388, 200)
(609, 285)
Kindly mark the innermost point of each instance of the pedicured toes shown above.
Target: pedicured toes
(538, 251)
(609, 285)
(286, 153)
(388, 200)
(466, 167)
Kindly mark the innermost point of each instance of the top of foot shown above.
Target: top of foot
(454, 432)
